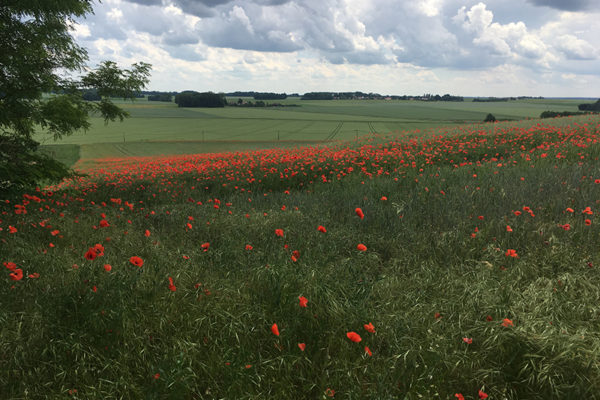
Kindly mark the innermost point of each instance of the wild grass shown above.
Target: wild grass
(435, 274)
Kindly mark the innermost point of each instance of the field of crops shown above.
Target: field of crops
(458, 264)
(157, 128)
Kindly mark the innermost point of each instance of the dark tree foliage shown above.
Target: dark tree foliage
(553, 114)
(317, 96)
(270, 96)
(38, 56)
(590, 106)
(490, 118)
(160, 97)
(190, 98)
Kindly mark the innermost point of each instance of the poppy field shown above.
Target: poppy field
(455, 264)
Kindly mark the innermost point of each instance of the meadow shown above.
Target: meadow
(159, 128)
(444, 263)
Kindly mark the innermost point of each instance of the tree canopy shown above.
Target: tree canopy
(43, 77)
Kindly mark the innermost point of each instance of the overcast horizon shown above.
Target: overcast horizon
(469, 48)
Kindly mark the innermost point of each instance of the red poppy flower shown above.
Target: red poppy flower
(107, 267)
(467, 340)
(361, 247)
(35, 275)
(321, 228)
(279, 232)
(302, 346)
(569, 209)
(91, 254)
(353, 336)
(369, 327)
(10, 265)
(360, 213)
(104, 223)
(172, 287)
(482, 395)
(303, 301)
(507, 322)
(205, 246)
(147, 233)
(511, 253)
(16, 275)
(329, 392)
(12, 229)
(588, 222)
(99, 249)
(566, 227)
(275, 329)
(248, 247)
(368, 351)
(383, 198)
(137, 261)
(508, 228)
(459, 396)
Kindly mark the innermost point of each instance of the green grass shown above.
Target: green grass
(312, 121)
(436, 245)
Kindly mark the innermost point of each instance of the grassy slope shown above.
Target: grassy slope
(436, 245)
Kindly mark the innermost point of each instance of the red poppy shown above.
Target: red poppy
(482, 394)
(369, 327)
(321, 228)
(147, 233)
(279, 232)
(360, 213)
(275, 329)
(467, 340)
(508, 228)
(99, 249)
(172, 287)
(302, 346)
(205, 246)
(91, 254)
(507, 322)
(566, 227)
(137, 261)
(383, 198)
(459, 396)
(329, 392)
(104, 223)
(569, 209)
(361, 247)
(248, 247)
(35, 275)
(587, 211)
(16, 275)
(10, 265)
(12, 229)
(107, 267)
(511, 253)
(588, 222)
(303, 301)
(353, 336)
(368, 351)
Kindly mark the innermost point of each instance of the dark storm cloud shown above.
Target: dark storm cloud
(567, 5)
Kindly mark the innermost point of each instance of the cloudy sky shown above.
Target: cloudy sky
(470, 48)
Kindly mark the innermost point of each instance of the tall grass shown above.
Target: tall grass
(452, 311)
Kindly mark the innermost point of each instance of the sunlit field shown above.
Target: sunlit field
(430, 264)
(160, 128)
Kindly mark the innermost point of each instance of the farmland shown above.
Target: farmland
(395, 265)
(157, 128)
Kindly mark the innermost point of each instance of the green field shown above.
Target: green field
(157, 128)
